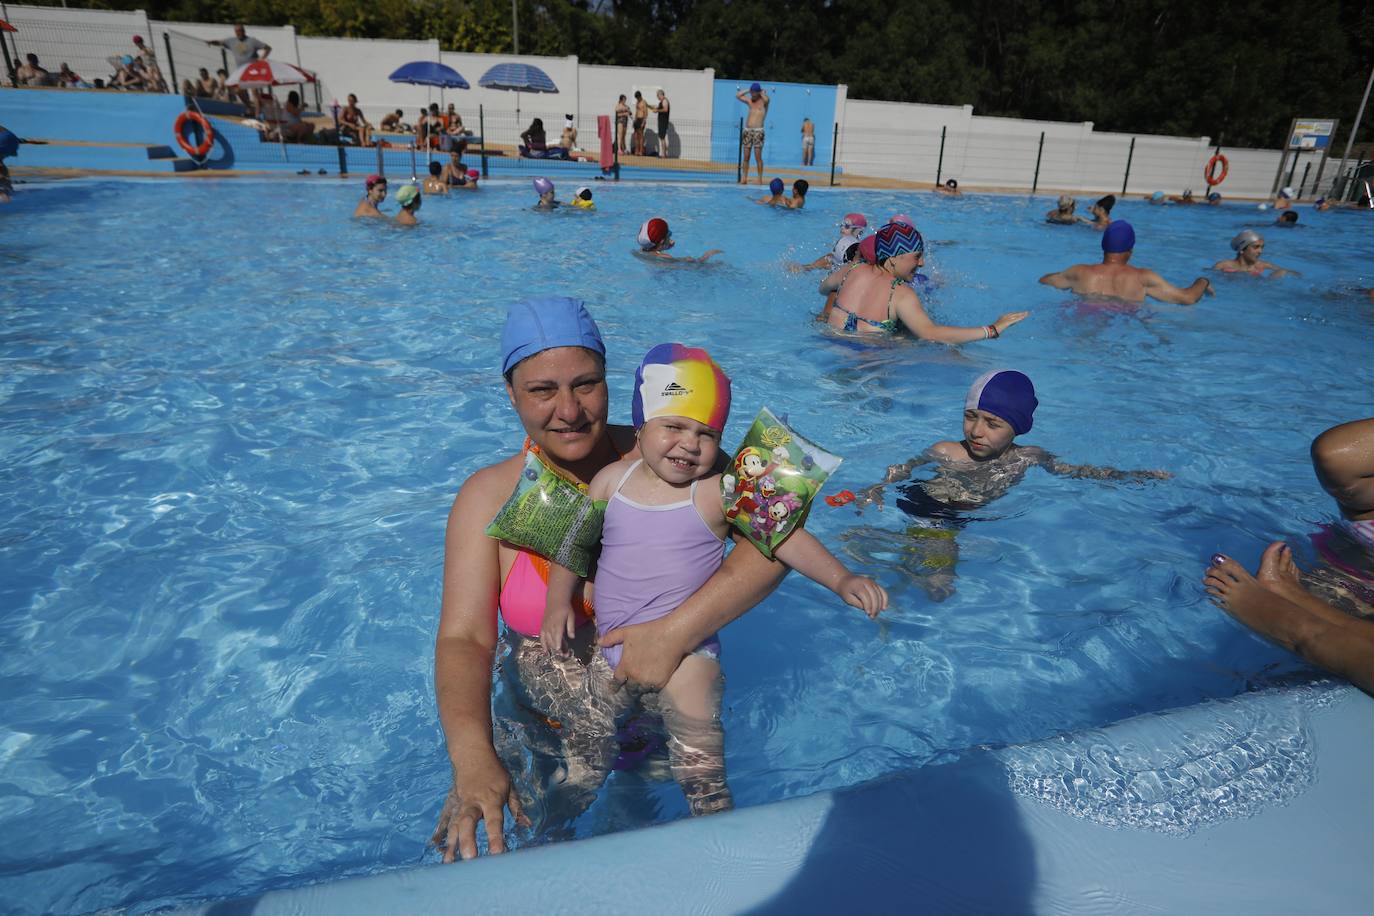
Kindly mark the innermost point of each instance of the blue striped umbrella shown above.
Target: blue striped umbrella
(429, 73)
(517, 77)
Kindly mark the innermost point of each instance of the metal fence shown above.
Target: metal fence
(86, 47)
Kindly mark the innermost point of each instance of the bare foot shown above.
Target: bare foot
(1278, 573)
(1242, 596)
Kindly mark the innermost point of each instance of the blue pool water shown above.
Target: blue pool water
(232, 421)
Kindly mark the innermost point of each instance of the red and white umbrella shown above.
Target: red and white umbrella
(269, 73)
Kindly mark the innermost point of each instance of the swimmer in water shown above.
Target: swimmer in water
(582, 199)
(973, 472)
(852, 229)
(1064, 213)
(1157, 198)
(1102, 212)
(655, 238)
(950, 188)
(434, 182)
(1323, 616)
(544, 188)
(1115, 278)
(409, 199)
(1287, 219)
(1284, 200)
(798, 198)
(774, 198)
(375, 193)
(1214, 198)
(1248, 246)
(1185, 198)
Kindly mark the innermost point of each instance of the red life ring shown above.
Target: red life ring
(1209, 174)
(209, 134)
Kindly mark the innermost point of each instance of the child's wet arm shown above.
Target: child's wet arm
(809, 557)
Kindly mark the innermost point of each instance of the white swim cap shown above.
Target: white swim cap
(841, 247)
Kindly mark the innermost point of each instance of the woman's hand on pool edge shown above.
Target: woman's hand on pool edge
(486, 790)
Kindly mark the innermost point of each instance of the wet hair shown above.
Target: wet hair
(1288, 216)
(435, 168)
(952, 184)
(800, 187)
(1106, 203)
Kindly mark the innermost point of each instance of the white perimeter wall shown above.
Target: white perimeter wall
(877, 138)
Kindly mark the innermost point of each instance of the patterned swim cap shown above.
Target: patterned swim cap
(897, 239)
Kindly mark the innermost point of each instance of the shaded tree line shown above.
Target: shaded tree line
(1234, 71)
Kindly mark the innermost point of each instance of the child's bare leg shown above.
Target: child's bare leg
(1345, 649)
(690, 704)
(1278, 573)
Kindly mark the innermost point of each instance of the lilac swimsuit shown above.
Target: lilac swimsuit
(652, 559)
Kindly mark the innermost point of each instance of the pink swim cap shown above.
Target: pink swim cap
(903, 219)
(473, 173)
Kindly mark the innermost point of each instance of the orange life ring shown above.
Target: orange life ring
(209, 134)
(1209, 174)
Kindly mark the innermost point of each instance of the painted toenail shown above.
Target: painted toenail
(1218, 559)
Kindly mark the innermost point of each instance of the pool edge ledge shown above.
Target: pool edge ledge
(949, 836)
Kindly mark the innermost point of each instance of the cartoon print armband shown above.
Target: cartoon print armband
(552, 517)
(768, 489)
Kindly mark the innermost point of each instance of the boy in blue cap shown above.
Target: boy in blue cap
(972, 472)
(774, 198)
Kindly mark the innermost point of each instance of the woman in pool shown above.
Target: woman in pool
(662, 537)
(553, 360)
(1248, 246)
(875, 298)
(374, 192)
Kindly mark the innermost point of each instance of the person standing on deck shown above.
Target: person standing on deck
(757, 100)
(808, 132)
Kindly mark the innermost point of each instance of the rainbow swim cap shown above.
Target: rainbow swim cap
(897, 239)
(542, 186)
(653, 233)
(775, 185)
(1005, 393)
(679, 381)
(1119, 237)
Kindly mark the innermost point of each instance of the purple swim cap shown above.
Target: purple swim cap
(1119, 237)
(775, 185)
(1005, 393)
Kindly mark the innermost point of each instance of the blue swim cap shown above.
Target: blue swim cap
(1157, 195)
(536, 325)
(1118, 238)
(755, 87)
(1005, 393)
(775, 186)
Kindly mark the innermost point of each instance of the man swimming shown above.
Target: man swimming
(1248, 246)
(655, 238)
(970, 473)
(1116, 278)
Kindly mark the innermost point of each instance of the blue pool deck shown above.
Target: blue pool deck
(966, 838)
(131, 132)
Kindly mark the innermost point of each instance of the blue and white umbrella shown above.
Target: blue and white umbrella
(518, 78)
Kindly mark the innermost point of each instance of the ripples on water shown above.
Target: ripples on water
(229, 450)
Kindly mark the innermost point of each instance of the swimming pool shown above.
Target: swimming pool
(233, 420)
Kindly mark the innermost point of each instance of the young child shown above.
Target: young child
(974, 471)
(663, 536)
(655, 238)
(798, 198)
(582, 199)
(409, 199)
(852, 229)
(774, 198)
(544, 188)
(434, 182)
